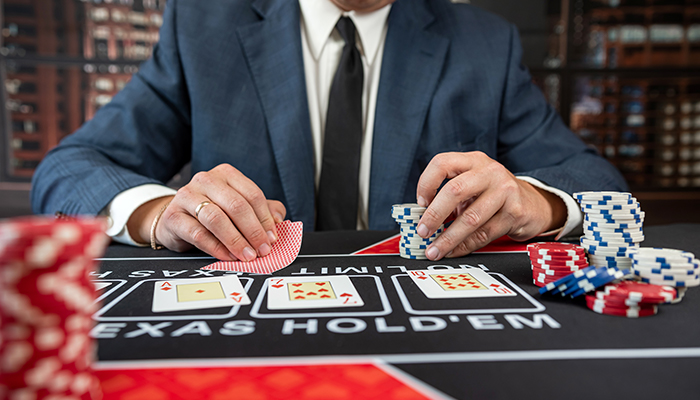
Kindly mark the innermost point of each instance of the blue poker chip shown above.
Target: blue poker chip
(565, 282)
(604, 276)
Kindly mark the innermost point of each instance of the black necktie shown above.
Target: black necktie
(338, 189)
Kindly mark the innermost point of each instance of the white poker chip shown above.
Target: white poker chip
(621, 201)
(602, 195)
(660, 254)
(610, 208)
(677, 282)
(665, 266)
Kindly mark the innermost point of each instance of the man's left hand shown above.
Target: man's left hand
(487, 202)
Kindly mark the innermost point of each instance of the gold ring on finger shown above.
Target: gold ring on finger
(199, 208)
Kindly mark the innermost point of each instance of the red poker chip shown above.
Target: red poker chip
(641, 292)
(555, 257)
(551, 272)
(539, 284)
(545, 279)
(621, 300)
(552, 248)
(569, 269)
(579, 263)
(617, 302)
(624, 311)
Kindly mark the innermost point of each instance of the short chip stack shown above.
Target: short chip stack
(670, 267)
(552, 261)
(612, 226)
(412, 246)
(583, 281)
(630, 299)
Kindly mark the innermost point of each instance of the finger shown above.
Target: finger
(256, 198)
(496, 227)
(467, 224)
(277, 209)
(180, 226)
(462, 188)
(218, 185)
(442, 166)
(213, 218)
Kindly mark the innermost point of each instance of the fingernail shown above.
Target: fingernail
(232, 257)
(264, 250)
(422, 202)
(248, 254)
(449, 254)
(422, 230)
(272, 237)
(278, 217)
(433, 253)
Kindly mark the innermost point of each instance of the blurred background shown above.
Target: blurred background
(624, 75)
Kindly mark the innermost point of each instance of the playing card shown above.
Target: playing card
(283, 252)
(447, 284)
(311, 292)
(194, 294)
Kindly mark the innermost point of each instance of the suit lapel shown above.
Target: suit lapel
(272, 48)
(411, 66)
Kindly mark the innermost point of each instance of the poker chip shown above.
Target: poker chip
(601, 196)
(552, 272)
(662, 255)
(562, 263)
(548, 257)
(620, 311)
(555, 248)
(411, 245)
(639, 292)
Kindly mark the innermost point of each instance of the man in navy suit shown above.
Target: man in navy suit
(241, 89)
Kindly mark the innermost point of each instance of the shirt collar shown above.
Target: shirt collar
(320, 17)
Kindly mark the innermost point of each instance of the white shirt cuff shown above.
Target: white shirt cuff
(574, 216)
(119, 210)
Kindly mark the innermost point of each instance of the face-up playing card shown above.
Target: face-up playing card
(283, 252)
(195, 294)
(298, 292)
(449, 284)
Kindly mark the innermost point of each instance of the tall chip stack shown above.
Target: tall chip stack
(412, 245)
(612, 227)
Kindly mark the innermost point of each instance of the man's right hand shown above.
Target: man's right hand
(237, 224)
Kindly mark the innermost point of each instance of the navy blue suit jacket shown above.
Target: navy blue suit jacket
(226, 85)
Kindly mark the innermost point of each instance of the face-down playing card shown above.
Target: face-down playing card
(287, 293)
(194, 294)
(449, 284)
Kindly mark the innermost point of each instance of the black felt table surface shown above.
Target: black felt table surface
(515, 347)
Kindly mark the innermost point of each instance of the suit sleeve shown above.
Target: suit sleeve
(142, 136)
(533, 141)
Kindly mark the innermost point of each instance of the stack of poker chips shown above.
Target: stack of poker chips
(411, 245)
(552, 261)
(583, 281)
(670, 267)
(612, 226)
(46, 303)
(630, 299)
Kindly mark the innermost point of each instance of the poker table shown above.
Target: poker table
(399, 344)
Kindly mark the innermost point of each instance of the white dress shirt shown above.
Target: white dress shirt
(322, 47)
